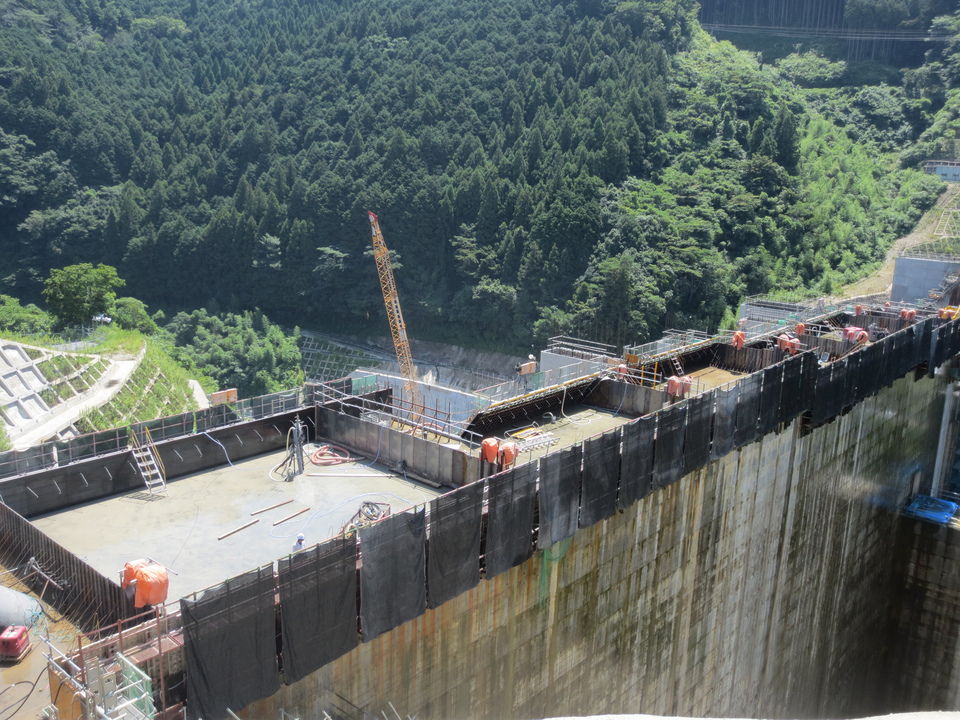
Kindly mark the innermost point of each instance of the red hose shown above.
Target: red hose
(330, 455)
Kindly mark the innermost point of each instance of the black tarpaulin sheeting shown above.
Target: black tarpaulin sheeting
(559, 495)
(852, 380)
(770, 399)
(668, 461)
(636, 461)
(601, 473)
(392, 576)
(942, 349)
(867, 384)
(821, 395)
(696, 438)
(724, 422)
(453, 552)
(839, 381)
(808, 380)
(230, 644)
(748, 410)
(954, 340)
(897, 356)
(790, 389)
(318, 600)
(511, 498)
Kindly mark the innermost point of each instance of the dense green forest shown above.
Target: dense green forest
(595, 167)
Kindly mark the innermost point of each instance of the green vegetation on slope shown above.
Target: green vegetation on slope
(157, 388)
(538, 166)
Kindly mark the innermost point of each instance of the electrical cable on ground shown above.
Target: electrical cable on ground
(24, 701)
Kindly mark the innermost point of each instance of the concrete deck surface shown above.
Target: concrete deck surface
(573, 425)
(180, 531)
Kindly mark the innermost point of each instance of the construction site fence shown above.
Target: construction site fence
(533, 382)
(63, 452)
(573, 488)
(82, 594)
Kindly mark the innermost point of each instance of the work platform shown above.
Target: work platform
(181, 530)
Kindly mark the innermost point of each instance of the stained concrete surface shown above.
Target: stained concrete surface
(558, 429)
(180, 530)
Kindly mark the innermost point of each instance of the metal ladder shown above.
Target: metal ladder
(149, 463)
(677, 366)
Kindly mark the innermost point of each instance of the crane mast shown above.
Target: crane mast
(397, 328)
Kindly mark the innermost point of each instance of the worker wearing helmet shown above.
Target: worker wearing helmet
(298, 545)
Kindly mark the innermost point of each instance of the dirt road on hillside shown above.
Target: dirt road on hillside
(882, 279)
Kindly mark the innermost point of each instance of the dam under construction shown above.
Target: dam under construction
(735, 524)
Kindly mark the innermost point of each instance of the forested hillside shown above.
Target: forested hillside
(596, 167)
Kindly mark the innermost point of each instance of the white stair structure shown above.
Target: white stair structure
(149, 463)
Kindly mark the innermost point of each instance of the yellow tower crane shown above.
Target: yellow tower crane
(399, 331)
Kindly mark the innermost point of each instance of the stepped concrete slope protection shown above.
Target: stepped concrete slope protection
(757, 523)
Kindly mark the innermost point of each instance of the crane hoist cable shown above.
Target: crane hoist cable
(397, 328)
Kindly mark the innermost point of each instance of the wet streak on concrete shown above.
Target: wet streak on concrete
(758, 586)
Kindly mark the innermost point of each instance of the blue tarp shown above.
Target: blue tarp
(931, 509)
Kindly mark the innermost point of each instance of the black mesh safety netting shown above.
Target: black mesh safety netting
(852, 380)
(748, 410)
(696, 438)
(838, 381)
(724, 421)
(559, 495)
(932, 345)
(318, 600)
(790, 389)
(898, 354)
(636, 461)
(453, 549)
(942, 350)
(820, 411)
(668, 460)
(393, 586)
(511, 503)
(770, 399)
(230, 644)
(601, 474)
(924, 332)
(867, 383)
(954, 340)
(916, 341)
(808, 380)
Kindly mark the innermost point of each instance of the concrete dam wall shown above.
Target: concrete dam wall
(759, 586)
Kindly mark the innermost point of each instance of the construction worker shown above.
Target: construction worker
(298, 545)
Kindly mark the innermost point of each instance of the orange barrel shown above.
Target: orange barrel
(674, 387)
(903, 314)
(794, 346)
(686, 382)
(887, 304)
(862, 336)
(739, 338)
(508, 453)
(783, 342)
(622, 370)
(911, 314)
(940, 313)
(489, 450)
(801, 329)
(858, 310)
